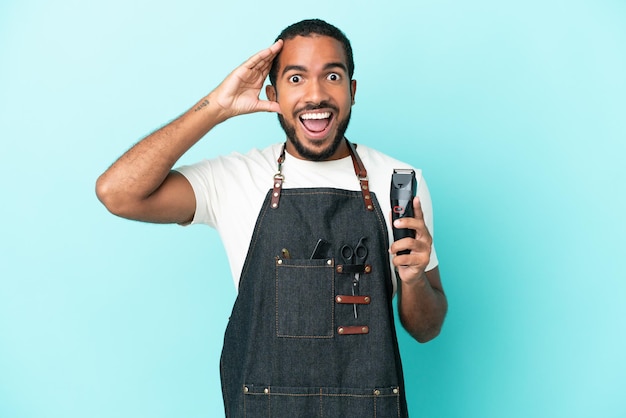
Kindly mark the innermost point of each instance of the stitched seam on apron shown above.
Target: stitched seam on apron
(255, 235)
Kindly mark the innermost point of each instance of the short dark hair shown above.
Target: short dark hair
(310, 27)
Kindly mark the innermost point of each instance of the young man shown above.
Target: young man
(312, 330)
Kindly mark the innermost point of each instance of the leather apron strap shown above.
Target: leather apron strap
(359, 170)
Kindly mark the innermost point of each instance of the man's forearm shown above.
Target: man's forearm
(422, 307)
(144, 167)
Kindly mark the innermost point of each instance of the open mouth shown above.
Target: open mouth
(316, 123)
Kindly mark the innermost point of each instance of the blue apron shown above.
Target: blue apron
(312, 332)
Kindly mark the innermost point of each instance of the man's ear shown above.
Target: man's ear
(270, 92)
(353, 89)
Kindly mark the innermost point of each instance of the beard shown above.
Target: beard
(323, 155)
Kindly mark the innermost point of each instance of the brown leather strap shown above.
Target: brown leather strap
(278, 179)
(359, 170)
(278, 187)
(353, 300)
(361, 173)
(354, 330)
(354, 268)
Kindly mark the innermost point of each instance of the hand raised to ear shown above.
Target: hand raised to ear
(239, 93)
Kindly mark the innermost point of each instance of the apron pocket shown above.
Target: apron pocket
(356, 403)
(307, 402)
(304, 298)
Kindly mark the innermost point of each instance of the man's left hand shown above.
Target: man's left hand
(411, 266)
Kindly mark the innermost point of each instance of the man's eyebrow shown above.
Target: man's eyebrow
(332, 65)
(298, 68)
(303, 69)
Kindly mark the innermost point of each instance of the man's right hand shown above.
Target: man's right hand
(239, 93)
(140, 184)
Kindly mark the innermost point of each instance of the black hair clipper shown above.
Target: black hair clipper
(403, 189)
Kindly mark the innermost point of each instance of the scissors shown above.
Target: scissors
(351, 256)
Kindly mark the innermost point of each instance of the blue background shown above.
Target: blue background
(515, 111)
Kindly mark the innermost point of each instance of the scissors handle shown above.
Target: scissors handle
(360, 251)
(347, 253)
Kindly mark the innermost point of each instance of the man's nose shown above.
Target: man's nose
(316, 92)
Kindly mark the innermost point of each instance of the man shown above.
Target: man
(312, 330)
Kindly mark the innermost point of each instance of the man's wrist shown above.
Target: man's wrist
(418, 281)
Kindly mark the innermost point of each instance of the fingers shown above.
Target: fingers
(417, 222)
(268, 106)
(414, 263)
(262, 60)
(238, 93)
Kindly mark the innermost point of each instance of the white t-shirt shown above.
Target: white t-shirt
(230, 191)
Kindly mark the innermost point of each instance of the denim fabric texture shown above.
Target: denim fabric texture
(283, 355)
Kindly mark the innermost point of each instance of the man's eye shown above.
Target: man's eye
(295, 79)
(334, 77)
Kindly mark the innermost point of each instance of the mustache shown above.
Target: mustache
(320, 105)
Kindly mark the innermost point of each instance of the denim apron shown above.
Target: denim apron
(300, 342)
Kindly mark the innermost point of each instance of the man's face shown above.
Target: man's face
(315, 96)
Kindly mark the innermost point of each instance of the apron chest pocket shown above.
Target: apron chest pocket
(304, 298)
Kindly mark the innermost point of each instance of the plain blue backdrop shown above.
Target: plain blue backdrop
(515, 111)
